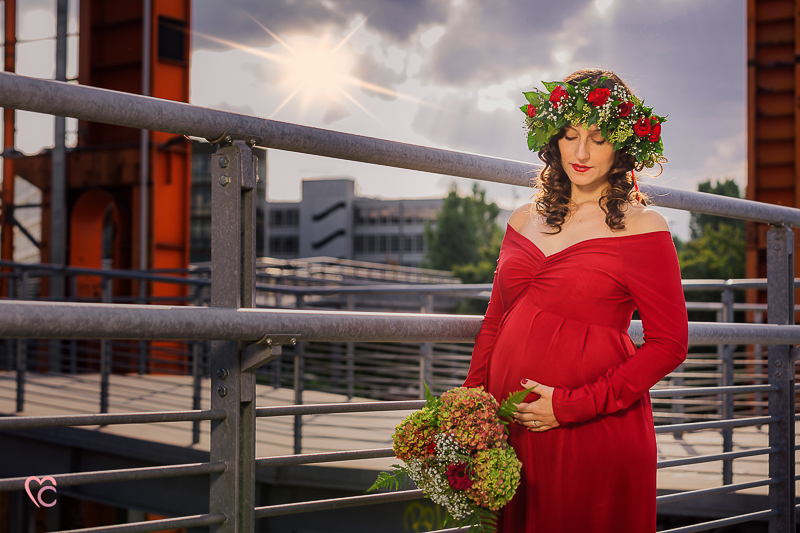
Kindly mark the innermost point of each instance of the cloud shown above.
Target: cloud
(396, 19)
(335, 112)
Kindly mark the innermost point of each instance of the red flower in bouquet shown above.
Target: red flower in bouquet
(531, 111)
(458, 476)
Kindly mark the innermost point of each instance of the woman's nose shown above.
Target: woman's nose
(581, 151)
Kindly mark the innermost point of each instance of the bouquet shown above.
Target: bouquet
(456, 450)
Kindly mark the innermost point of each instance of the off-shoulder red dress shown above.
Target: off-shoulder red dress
(562, 320)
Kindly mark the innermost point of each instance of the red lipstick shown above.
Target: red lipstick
(580, 168)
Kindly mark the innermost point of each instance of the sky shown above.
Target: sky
(450, 74)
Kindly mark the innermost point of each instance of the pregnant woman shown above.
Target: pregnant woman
(573, 266)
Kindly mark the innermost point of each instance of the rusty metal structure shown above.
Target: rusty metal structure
(124, 199)
(773, 119)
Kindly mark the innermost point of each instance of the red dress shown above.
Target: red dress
(562, 320)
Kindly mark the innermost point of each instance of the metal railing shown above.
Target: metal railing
(243, 337)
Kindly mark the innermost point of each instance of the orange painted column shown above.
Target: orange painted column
(7, 194)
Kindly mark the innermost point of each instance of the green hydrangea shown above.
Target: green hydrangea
(413, 437)
(496, 475)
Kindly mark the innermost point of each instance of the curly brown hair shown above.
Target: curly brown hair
(555, 188)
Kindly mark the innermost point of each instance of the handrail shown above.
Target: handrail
(143, 112)
(66, 320)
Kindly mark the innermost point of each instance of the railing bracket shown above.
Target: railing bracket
(265, 349)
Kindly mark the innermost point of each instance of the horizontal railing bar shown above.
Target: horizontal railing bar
(326, 457)
(336, 503)
(125, 474)
(326, 408)
(690, 494)
(737, 422)
(705, 526)
(127, 274)
(155, 525)
(668, 393)
(716, 457)
(142, 112)
(63, 320)
(68, 320)
(102, 419)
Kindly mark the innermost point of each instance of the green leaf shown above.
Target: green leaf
(532, 143)
(533, 97)
(580, 103)
(394, 480)
(428, 395)
(508, 407)
(570, 89)
(551, 85)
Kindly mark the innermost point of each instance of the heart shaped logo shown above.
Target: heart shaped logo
(38, 500)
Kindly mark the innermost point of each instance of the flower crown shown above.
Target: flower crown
(623, 119)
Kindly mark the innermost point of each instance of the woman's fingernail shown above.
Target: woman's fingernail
(523, 381)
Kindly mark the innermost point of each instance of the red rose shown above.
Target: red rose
(642, 127)
(531, 111)
(431, 448)
(458, 476)
(557, 95)
(625, 108)
(655, 134)
(599, 96)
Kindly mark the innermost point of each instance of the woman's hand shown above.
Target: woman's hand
(537, 416)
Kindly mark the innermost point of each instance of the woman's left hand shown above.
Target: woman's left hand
(537, 416)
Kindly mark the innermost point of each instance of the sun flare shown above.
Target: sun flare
(317, 70)
(314, 70)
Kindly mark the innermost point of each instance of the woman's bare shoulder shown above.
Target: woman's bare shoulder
(522, 216)
(643, 219)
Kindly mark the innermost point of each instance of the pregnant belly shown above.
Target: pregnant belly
(533, 343)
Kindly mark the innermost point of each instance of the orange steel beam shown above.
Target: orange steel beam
(773, 120)
(9, 134)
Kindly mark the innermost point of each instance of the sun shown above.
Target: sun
(314, 70)
(317, 70)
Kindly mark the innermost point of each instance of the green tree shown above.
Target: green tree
(699, 221)
(716, 249)
(466, 239)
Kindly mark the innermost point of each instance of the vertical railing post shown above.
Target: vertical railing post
(142, 343)
(726, 353)
(105, 350)
(232, 286)
(299, 384)
(350, 357)
(22, 348)
(758, 355)
(426, 354)
(197, 379)
(780, 310)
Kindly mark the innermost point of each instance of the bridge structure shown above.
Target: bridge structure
(243, 337)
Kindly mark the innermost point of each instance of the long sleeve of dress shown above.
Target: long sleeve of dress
(485, 338)
(653, 279)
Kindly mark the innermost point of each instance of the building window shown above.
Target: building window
(370, 243)
(359, 244)
(382, 243)
(284, 245)
(288, 218)
(420, 243)
(171, 39)
(395, 243)
(408, 244)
